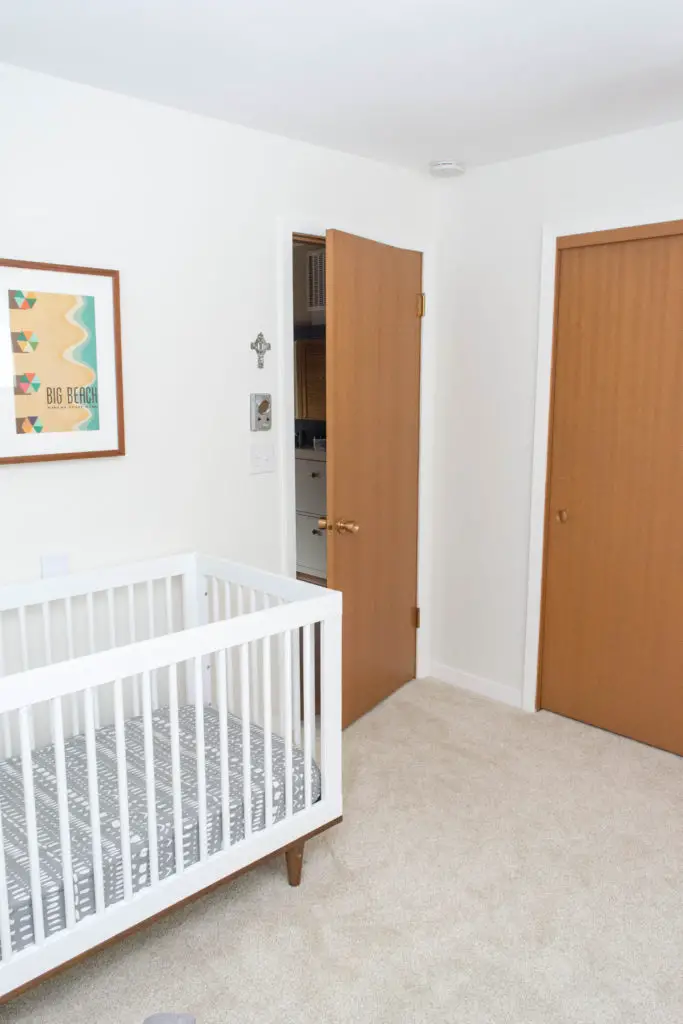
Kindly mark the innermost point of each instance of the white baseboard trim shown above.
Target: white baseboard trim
(476, 684)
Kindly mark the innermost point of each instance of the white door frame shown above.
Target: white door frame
(307, 225)
(542, 419)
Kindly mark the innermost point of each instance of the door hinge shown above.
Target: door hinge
(421, 304)
(416, 612)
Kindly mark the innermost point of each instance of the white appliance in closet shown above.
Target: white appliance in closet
(311, 505)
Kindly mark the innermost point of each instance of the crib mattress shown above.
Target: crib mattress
(44, 777)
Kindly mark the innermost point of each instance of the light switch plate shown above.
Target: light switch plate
(261, 412)
(262, 458)
(54, 565)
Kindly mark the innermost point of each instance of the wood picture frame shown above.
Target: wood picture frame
(61, 372)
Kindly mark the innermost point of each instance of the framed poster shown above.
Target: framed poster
(61, 385)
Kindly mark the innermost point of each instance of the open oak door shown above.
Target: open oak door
(373, 422)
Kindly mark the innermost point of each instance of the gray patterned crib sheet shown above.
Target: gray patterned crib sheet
(44, 779)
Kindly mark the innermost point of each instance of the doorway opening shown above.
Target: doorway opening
(310, 405)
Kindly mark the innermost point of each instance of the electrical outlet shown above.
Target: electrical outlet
(54, 565)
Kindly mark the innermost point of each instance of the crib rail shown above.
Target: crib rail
(55, 588)
(248, 654)
(21, 689)
(64, 617)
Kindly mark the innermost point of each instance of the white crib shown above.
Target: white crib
(160, 731)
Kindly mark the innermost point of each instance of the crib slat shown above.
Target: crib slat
(5, 932)
(89, 599)
(130, 590)
(201, 758)
(214, 616)
(214, 600)
(150, 607)
(286, 697)
(223, 741)
(94, 798)
(111, 618)
(132, 636)
(227, 600)
(296, 686)
(122, 778)
(24, 658)
(149, 778)
(246, 736)
(309, 710)
(47, 632)
(254, 657)
(168, 590)
(68, 611)
(152, 633)
(31, 825)
(63, 810)
(70, 650)
(91, 621)
(175, 768)
(22, 637)
(267, 728)
(239, 610)
(6, 719)
(6, 735)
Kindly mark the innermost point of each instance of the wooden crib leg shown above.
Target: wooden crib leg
(295, 862)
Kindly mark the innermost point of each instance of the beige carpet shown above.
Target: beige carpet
(492, 867)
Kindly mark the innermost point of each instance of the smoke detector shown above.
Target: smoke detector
(445, 169)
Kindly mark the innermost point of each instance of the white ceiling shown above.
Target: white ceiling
(404, 81)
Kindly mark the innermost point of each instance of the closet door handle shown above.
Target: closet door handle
(314, 476)
(346, 526)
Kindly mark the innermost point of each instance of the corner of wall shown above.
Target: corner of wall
(501, 692)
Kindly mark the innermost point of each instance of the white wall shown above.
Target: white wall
(187, 209)
(491, 226)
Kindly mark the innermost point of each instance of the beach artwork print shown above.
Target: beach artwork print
(54, 354)
(61, 374)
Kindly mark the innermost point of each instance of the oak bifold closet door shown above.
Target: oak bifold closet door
(612, 633)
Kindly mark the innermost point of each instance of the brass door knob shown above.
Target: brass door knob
(340, 526)
(346, 526)
(562, 515)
